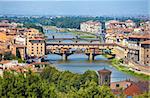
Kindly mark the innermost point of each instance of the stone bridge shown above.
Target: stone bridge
(90, 49)
(73, 39)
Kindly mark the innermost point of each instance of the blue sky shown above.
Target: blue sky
(75, 7)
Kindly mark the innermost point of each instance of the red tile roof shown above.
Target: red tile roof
(129, 21)
(132, 90)
(37, 38)
(146, 42)
(140, 36)
(104, 71)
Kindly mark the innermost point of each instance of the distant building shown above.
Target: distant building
(130, 23)
(91, 26)
(6, 24)
(114, 26)
(104, 77)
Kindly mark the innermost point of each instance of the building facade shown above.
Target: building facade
(35, 43)
(91, 26)
(145, 52)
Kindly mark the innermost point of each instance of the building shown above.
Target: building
(7, 64)
(36, 47)
(91, 26)
(7, 24)
(120, 85)
(35, 43)
(135, 40)
(145, 52)
(129, 88)
(114, 26)
(18, 50)
(104, 77)
(136, 88)
(19, 39)
(130, 23)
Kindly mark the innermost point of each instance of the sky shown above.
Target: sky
(75, 7)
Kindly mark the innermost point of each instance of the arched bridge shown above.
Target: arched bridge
(90, 49)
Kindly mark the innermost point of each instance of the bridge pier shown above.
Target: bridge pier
(64, 56)
(91, 57)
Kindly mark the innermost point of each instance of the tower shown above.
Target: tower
(104, 77)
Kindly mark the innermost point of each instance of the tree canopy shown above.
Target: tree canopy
(51, 83)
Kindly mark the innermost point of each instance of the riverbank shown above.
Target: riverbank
(119, 66)
(80, 34)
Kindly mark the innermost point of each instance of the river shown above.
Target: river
(78, 63)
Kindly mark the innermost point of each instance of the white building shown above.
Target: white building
(8, 64)
(130, 23)
(91, 26)
(21, 40)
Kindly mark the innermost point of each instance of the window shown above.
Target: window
(127, 85)
(106, 79)
(117, 85)
(147, 55)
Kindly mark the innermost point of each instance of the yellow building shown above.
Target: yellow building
(35, 43)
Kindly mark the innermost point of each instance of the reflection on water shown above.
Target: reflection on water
(78, 63)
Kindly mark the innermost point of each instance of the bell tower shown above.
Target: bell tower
(104, 77)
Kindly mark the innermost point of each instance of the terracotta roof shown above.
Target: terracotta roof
(39, 63)
(104, 71)
(132, 90)
(37, 38)
(91, 23)
(4, 62)
(140, 36)
(19, 46)
(146, 42)
(129, 21)
(21, 69)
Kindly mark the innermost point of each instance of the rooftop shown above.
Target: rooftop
(37, 38)
(104, 71)
(129, 21)
(146, 42)
(92, 22)
(5, 62)
(147, 36)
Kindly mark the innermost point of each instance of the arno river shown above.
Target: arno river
(78, 63)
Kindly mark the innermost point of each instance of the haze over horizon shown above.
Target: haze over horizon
(72, 7)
